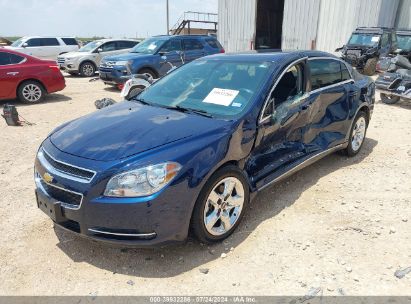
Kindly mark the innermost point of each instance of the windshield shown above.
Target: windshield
(89, 47)
(404, 42)
(149, 46)
(17, 43)
(364, 39)
(219, 88)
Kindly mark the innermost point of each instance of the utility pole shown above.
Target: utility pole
(168, 19)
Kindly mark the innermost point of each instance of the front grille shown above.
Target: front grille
(60, 60)
(65, 168)
(64, 196)
(106, 69)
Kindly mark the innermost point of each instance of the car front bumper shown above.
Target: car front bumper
(138, 222)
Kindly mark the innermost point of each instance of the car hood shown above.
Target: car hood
(127, 56)
(74, 54)
(129, 128)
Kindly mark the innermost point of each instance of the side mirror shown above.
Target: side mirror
(25, 44)
(99, 50)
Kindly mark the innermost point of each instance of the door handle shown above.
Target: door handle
(306, 107)
(12, 73)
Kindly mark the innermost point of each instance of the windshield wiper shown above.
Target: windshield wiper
(187, 110)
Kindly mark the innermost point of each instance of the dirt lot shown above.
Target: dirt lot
(342, 225)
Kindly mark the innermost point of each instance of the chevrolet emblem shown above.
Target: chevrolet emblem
(48, 177)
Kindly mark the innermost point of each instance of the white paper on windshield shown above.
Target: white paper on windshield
(151, 47)
(375, 39)
(222, 97)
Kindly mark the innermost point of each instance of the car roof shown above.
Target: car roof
(377, 30)
(183, 36)
(270, 55)
(29, 37)
(114, 39)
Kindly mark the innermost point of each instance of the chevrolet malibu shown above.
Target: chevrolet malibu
(191, 151)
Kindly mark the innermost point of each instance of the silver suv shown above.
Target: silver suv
(86, 60)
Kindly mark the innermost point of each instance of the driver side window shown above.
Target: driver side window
(109, 46)
(288, 89)
(173, 45)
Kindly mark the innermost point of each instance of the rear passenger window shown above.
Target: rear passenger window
(15, 59)
(49, 42)
(192, 44)
(34, 42)
(345, 74)
(324, 72)
(70, 41)
(213, 43)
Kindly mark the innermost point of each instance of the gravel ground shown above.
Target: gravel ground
(341, 225)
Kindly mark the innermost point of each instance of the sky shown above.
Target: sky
(88, 18)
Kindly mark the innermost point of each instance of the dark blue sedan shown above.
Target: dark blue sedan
(192, 150)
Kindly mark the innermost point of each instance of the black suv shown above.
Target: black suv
(366, 45)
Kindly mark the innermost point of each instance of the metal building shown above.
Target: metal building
(303, 24)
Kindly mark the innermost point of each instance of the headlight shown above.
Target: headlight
(142, 182)
(121, 63)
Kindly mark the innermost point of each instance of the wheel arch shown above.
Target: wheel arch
(31, 79)
(147, 67)
(88, 61)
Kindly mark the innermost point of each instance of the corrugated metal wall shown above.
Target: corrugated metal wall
(236, 24)
(337, 19)
(327, 22)
(404, 15)
(300, 23)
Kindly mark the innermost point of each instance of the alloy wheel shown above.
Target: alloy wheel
(88, 69)
(358, 134)
(32, 92)
(224, 206)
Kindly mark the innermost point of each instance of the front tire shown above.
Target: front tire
(357, 134)
(31, 92)
(221, 205)
(87, 69)
(370, 66)
(389, 99)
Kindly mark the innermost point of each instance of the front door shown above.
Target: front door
(171, 56)
(281, 132)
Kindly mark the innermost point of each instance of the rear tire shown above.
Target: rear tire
(389, 99)
(31, 92)
(221, 205)
(370, 66)
(87, 69)
(357, 134)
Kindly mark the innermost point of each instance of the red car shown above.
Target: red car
(27, 77)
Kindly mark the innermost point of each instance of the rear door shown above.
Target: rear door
(10, 73)
(51, 48)
(193, 49)
(331, 90)
(284, 121)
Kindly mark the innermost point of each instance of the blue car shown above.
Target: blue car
(192, 150)
(154, 55)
